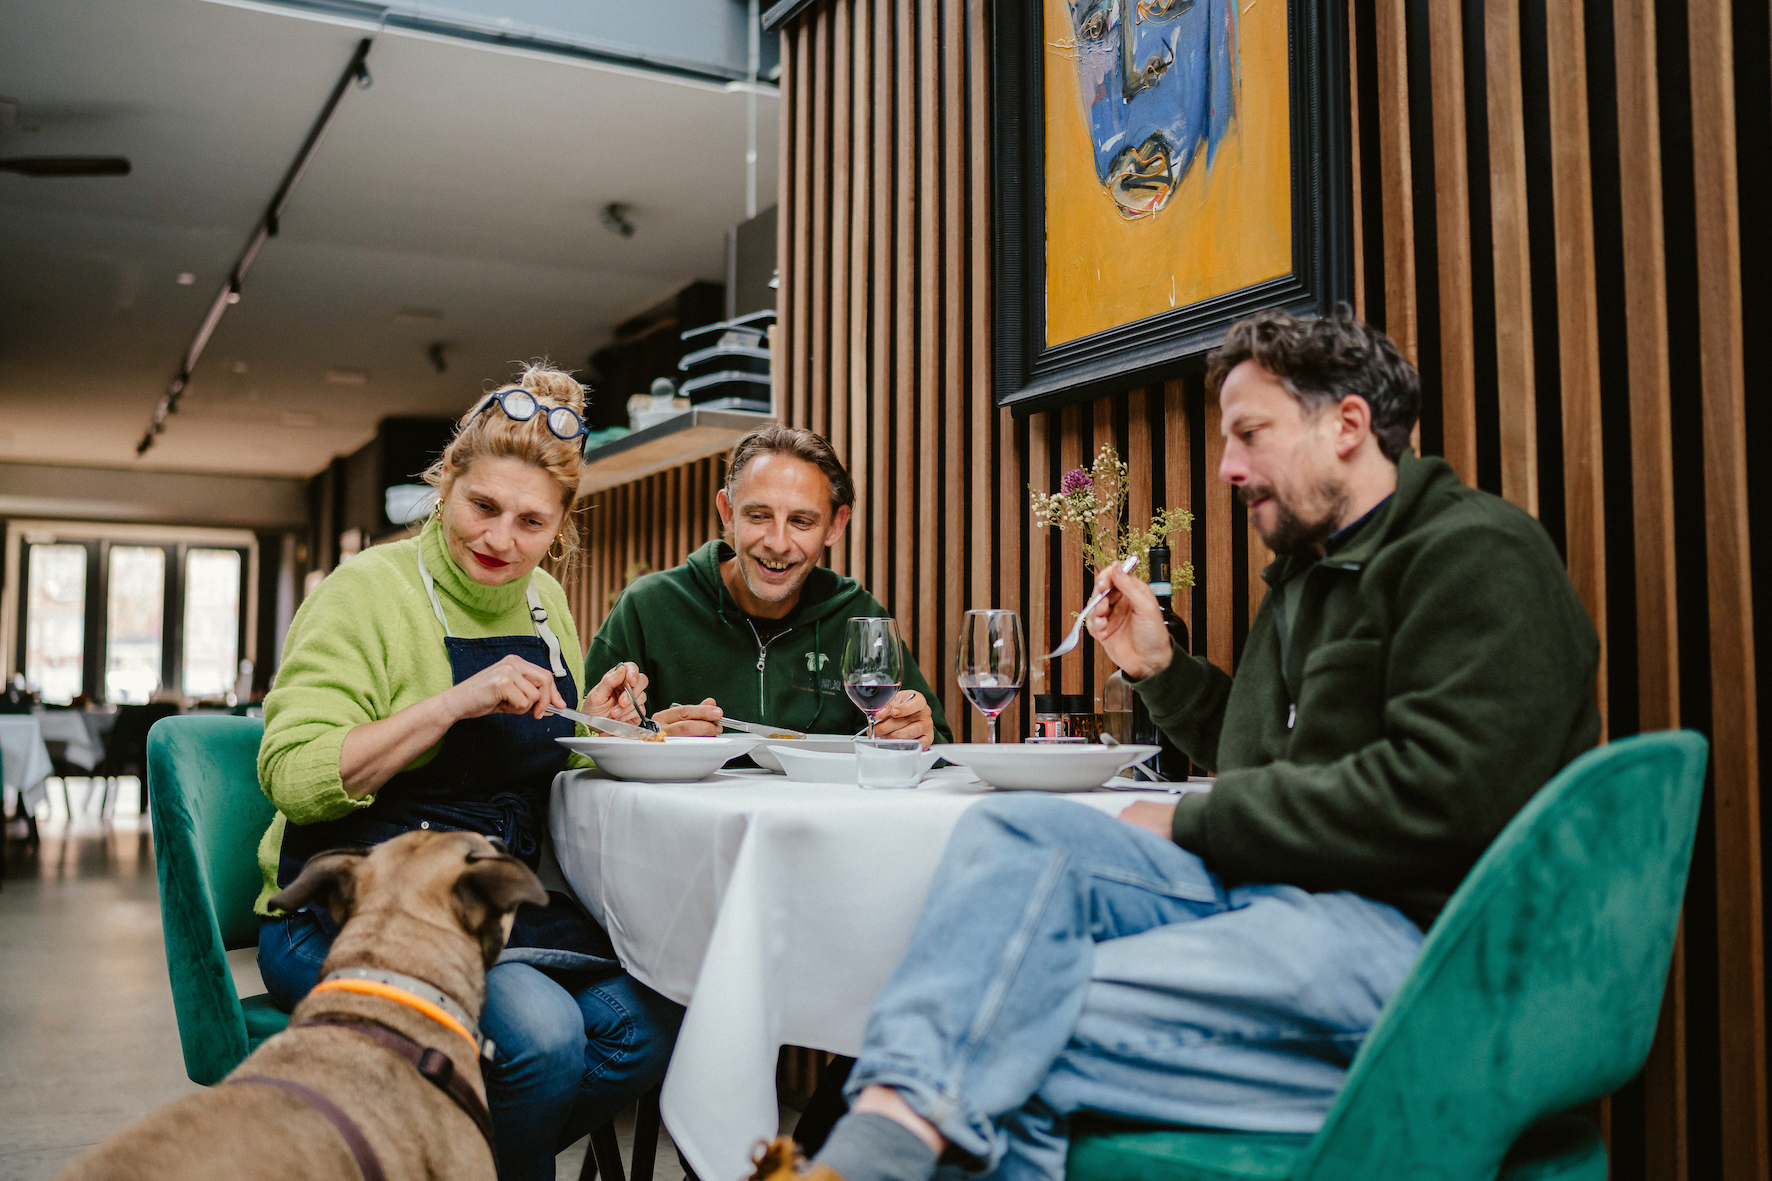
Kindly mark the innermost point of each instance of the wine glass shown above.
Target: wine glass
(991, 662)
(873, 665)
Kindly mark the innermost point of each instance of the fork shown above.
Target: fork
(645, 722)
(1095, 599)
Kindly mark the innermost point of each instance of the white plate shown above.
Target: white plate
(1035, 766)
(835, 744)
(675, 760)
(812, 766)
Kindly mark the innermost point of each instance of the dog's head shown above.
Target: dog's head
(393, 899)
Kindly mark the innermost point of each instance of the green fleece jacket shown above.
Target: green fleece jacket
(364, 646)
(685, 632)
(1439, 669)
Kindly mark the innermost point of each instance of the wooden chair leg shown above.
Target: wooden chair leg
(646, 1124)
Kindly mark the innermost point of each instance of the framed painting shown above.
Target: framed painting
(1163, 167)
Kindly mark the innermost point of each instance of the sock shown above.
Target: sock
(868, 1147)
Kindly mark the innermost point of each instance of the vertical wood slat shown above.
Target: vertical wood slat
(1458, 356)
(1734, 704)
(1039, 617)
(954, 409)
(882, 352)
(1178, 483)
(860, 441)
(1141, 491)
(1071, 588)
(1515, 376)
(928, 385)
(1652, 516)
(836, 400)
(798, 222)
(818, 310)
(1098, 667)
(994, 584)
(1215, 518)
(1397, 170)
(1354, 171)
(1578, 322)
(904, 384)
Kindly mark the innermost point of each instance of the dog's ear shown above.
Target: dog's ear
(330, 876)
(487, 891)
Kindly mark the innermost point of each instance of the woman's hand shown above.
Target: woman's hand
(1129, 625)
(512, 686)
(907, 716)
(695, 721)
(608, 698)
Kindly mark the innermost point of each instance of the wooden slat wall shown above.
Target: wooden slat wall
(1550, 172)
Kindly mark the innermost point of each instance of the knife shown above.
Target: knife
(609, 726)
(761, 730)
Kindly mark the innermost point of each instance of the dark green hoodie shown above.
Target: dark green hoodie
(682, 627)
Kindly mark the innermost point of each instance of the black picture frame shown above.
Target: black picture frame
(1031, 376)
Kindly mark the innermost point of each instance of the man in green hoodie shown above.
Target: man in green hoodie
(1419, 668)
(753, 624)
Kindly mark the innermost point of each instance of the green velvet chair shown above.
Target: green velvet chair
(208, 817)
(1537, 991)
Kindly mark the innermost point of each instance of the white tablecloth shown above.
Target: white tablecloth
(773, 910)
(72, 727)
(25, 758)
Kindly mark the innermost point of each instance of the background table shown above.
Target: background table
(76, 728)
(24, 760)
(774, 910)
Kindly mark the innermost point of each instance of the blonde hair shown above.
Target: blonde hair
(497, 435)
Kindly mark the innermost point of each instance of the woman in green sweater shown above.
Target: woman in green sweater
(414, 693)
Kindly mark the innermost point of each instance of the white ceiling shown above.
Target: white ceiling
(466, 179)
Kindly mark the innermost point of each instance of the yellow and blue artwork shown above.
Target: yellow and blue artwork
(1167, 156)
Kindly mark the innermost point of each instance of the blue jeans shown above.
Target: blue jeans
(1067, 961)
(566, 1062)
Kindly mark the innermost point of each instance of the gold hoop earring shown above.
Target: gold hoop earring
(559, 539)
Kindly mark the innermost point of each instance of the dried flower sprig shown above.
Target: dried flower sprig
(1090, 504)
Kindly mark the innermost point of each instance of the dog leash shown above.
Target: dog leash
(436, 1067)
(367, 1162)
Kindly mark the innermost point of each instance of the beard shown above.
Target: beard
(766, 593)
(1293, 531)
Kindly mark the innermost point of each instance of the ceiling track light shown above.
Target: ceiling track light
(615, 219)
(355, 71)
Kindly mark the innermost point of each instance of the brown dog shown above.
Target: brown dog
(436, 906)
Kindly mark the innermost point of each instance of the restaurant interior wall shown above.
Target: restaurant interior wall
(1548, 220)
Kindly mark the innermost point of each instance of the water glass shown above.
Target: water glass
(888, 762)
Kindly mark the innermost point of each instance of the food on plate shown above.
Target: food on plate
(788, 737)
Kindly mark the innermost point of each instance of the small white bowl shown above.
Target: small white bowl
(675, 760)
(811, 766)
(835, 744)
(1027, 766)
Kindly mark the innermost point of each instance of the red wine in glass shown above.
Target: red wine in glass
(990, 662)
(873, 665)
(990, 700)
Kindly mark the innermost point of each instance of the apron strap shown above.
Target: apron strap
(424, 572)
(539, 615)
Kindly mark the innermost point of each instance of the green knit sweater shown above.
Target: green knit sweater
(363, 647)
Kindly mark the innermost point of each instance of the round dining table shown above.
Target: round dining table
(773, 910)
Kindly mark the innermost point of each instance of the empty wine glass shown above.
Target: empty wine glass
(991, 662)
(873, 665)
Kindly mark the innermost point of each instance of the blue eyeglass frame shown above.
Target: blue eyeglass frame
(547, 417)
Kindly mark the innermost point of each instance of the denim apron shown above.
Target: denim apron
(491, 775)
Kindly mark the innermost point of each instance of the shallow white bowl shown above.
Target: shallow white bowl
(1035, 766)
(833, 744)
(811, 766)
(675, 760)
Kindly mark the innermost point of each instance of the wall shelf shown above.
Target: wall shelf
(694, 434)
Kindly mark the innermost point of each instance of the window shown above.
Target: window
(55, 640)
(136, 618)
(212, 622)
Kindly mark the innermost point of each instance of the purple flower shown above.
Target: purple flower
(1076, 480)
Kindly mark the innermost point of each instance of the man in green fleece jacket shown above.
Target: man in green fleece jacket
(1419, 668)
(754, 624)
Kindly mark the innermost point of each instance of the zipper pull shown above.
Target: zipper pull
(761, 657)
(1291, 715)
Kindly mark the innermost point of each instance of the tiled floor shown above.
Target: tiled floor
(88, 1040)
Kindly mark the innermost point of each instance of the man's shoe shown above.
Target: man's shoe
(781, 1161)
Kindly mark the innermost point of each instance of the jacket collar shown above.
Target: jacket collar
(1418, 477)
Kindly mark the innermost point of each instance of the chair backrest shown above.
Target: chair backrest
(1538, 987)
(209, 815)
(126, 745)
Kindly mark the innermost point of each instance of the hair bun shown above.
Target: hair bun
(553, 384)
